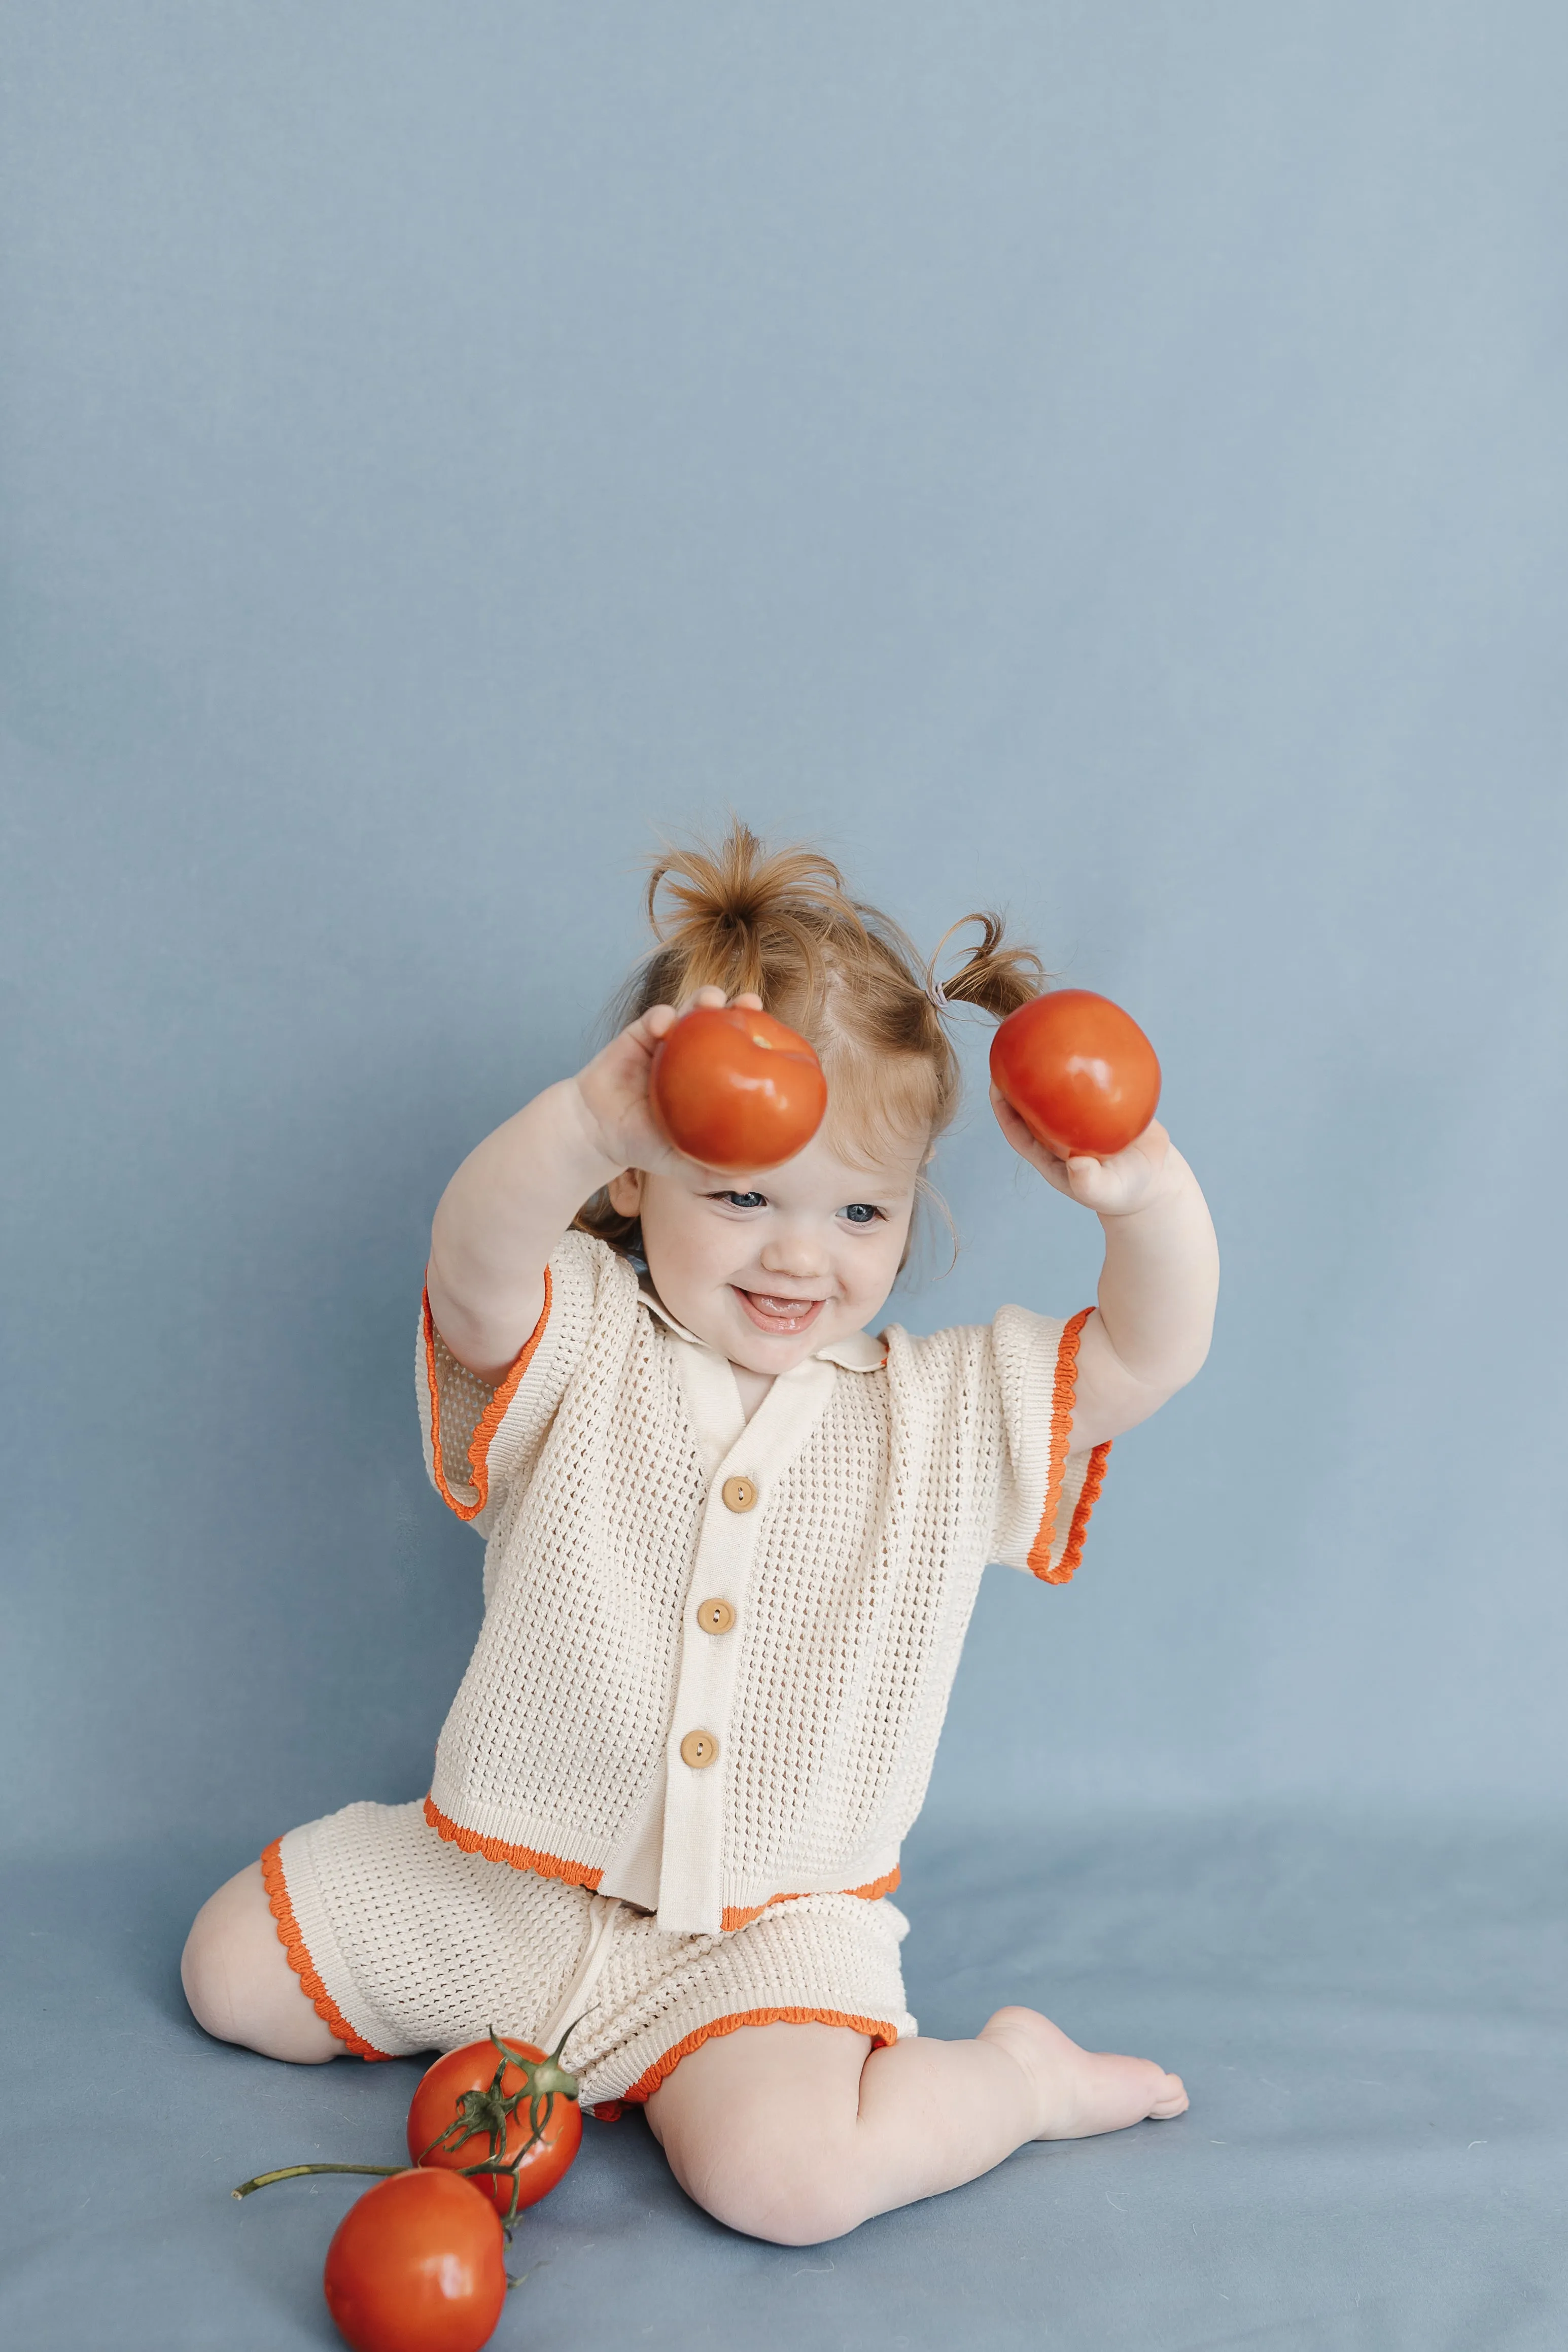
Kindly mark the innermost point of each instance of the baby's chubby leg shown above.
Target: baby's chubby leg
(793, 2133)
(238, 1982)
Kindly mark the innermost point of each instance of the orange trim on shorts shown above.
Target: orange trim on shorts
(733, 1917)
(1065, 1389)
(883, 2036)
(300, 1959)
(520, 1857)
(489, 1420)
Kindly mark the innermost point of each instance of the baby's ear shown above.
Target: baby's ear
(625, 1193)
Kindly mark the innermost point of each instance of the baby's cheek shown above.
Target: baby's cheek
(691, 1270)
(872, 1277)
(682, 1244)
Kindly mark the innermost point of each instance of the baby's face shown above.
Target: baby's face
(771, 1266)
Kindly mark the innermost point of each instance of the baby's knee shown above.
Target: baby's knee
(206, 1973)
(238, 1983)
(767, 2184)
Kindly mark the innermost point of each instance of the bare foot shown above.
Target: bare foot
(1081, 2091)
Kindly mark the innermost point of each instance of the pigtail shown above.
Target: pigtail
(738, 916)
(997, 978)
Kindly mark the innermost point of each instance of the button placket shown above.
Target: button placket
(691, 1875)
(691, 1868)
(724, 1551)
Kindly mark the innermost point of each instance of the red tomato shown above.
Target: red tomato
(736, 1089)
(469, 2107)
(1078, 1070)
(417, 2265)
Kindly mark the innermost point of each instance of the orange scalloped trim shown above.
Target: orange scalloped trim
(883, 2036)
(1089, 1494)
(300, 1959)
(1064, 1389)
(520, 1857)
(490, 1419)
(733, 1917)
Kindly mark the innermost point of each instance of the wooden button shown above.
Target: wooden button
(739, 1493)
(698, 1750)
(714, 1616)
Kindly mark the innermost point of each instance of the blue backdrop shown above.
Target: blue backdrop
(1108, 463)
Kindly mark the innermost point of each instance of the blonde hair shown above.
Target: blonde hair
(781, 924)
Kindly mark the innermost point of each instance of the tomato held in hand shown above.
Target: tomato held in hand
(498, 2101)
(1079, 1072)
(736, 1089)
(417, 2265)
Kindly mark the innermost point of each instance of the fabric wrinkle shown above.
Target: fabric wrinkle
(604, 1911)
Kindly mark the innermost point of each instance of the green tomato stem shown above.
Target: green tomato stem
(293, 2172)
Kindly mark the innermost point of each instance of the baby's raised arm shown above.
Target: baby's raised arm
(517, 1192)
(1159, 1282)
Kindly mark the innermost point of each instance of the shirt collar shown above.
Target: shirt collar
(857, 1351)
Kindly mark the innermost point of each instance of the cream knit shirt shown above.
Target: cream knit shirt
(601, 1734)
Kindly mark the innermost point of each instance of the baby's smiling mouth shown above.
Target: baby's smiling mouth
(773, 1312)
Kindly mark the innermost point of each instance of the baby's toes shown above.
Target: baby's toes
(1081, 2091)
(1173, 2099)
(1106, 2092)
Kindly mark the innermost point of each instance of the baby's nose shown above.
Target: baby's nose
(794, 1254)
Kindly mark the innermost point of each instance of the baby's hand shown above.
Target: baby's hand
(1117, 1187)
(613, 1089)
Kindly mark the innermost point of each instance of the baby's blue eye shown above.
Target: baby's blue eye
(860, 1213)
(745, 1200)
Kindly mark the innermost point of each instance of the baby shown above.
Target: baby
(732, 1544)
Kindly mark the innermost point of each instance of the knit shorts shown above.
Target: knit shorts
(405, 1943)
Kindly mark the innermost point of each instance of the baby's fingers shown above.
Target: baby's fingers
(1026, 1144)
(1128, 1181)
(649, 1026)
(711, 999)
(1012, 1126)
(716, 996)
(1094, 1183)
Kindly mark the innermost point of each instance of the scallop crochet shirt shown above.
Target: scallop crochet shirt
(602, 1733)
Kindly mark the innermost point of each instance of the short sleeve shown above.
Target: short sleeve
(1049, 1487)
(482, 1441)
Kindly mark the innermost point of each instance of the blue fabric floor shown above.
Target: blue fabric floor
(1370, 2020)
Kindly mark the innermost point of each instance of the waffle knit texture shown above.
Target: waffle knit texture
(602, 1472)
(412, 1944)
